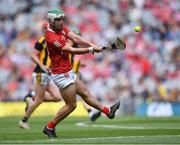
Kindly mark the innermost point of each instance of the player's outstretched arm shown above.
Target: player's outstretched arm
(80, 40)
(85, 50)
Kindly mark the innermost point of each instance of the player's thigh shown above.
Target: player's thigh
(40, 91)
(69, 94)
(53, 90)
(81, 88)
(40, 81)
(66, 83)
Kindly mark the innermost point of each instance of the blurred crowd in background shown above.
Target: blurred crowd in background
(149, 69)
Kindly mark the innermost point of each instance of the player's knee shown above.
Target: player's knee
(38, 100)
(57, 99)
(72, 106)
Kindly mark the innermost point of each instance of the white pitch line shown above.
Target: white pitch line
(118, 126)
(82, 139)
(107, 126)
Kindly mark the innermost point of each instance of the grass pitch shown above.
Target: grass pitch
(79, 130)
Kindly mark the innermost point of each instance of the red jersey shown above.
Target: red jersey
(55, 42)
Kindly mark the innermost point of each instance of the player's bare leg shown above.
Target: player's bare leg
(53, 93)
(38, 99)
(90, 100)
(40, 91)
(92, 113)
(49, 98)
(86, 95)
(69, 96)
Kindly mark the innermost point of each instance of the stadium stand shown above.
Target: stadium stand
(147, 70)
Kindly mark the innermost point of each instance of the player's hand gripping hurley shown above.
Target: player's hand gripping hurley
(118, 44)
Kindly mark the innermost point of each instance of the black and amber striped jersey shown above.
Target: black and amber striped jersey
(40, 46)
(74, 62)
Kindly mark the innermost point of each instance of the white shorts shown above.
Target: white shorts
(41, 78)
(64, 80)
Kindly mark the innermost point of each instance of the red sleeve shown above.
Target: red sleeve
(67, 30)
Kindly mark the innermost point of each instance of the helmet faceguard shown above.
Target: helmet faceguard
(55, 14)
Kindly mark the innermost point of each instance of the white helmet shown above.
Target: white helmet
(55, 13)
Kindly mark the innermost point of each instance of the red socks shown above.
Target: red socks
(106, 110)
(51, 125)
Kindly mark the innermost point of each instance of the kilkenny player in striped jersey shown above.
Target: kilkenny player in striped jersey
(44, 87)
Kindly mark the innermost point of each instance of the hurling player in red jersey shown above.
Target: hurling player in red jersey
(62, 74)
